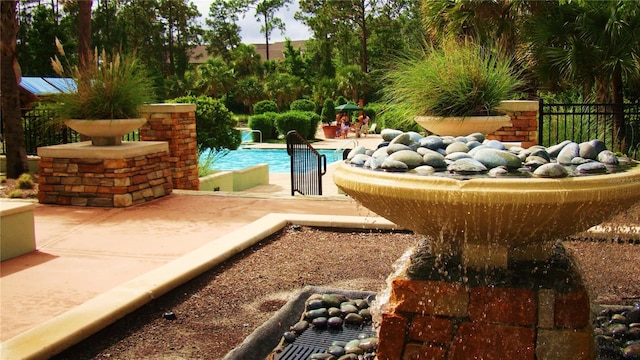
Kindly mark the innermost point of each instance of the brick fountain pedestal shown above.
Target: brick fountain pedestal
(490, 282)
(512, 313)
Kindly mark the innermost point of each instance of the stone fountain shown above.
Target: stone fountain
(491, 281)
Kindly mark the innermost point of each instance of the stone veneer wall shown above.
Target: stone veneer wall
(176, 124)
(116, 176)
(524, 119)
(430, 319)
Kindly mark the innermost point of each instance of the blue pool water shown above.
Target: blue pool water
(278, 159)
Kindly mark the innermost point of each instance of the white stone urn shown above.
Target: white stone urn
(105, 132)
(461, 126)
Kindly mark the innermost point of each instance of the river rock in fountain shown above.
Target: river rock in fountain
(389, 134)
(432, 142)
(567, 153)
(467, 166)
(457, 147)
(472, 154)
(592, 167)
(411, 158)
(552, 170)
(607, 157)
(433, 158)
(587, 151)
(492, 158)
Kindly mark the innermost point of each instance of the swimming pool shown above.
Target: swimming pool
(278, 159)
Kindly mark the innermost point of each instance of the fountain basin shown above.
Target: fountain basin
(491, 221)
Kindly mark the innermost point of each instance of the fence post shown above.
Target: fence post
(540, 120)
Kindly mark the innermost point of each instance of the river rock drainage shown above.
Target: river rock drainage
(316, 323)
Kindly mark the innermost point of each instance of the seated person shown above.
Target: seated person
(364, 128)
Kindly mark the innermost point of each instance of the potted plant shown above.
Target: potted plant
(328, 115)
(453, 90)
(107, 98)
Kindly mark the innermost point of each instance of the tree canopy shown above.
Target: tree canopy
(562, 44)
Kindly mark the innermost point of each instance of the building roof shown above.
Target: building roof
(276, 51)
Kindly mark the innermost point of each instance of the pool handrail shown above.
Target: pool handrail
(306, 176)
(251, 131)
(342, 148)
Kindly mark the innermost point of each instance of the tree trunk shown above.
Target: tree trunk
(171, 40)
(266, 34)
(619, 125)
(363, 41)
(84, 41)
(10, 74)
(84, 34)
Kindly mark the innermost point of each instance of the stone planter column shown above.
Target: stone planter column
(524, 120)
(175, 124)
(80, 174)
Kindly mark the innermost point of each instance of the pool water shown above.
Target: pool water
(278, 159)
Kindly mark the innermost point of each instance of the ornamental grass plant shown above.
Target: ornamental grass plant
(453, 80)
(112, 87)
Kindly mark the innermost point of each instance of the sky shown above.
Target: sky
(250, 27)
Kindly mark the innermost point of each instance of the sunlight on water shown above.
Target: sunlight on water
(381, 302)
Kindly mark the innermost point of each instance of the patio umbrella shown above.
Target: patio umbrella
(348, 107)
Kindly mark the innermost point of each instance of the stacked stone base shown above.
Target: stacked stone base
(81, 174)
(530, 311)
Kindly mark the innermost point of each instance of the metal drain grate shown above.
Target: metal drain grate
(313, 341)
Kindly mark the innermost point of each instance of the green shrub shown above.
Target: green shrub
(15, 194)
(393, 117)
(241, 119)
(215, 125)
(205, 164)
(265, 124)
(341, 100)
(272, 117)
(293, 120)
(25, 182)
(303, 105)
(264, 106)
(328, 113)
(314, 120)
(458, 79)
(113, 88)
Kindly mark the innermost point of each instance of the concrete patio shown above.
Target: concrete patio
(94, 265)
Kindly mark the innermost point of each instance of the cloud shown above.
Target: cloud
(250, 26)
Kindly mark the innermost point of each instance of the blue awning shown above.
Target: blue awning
(64, 84)
(47, 86)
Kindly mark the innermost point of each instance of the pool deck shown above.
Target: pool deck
(95, 265)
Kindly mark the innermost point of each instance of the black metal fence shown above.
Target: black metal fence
(307, 165)
(584, 122)
(556, 122)
(41, 130)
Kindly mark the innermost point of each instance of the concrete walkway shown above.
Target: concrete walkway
(85, 253)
